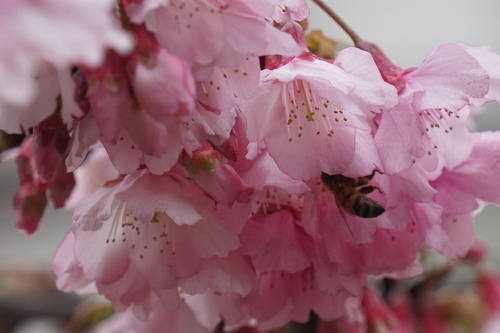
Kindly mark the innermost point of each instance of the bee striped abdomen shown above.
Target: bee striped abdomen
(366, 207)
(351, 195)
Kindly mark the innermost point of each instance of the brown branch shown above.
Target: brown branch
(354, 36)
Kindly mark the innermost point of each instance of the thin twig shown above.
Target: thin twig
(354, 36)
(122, 12)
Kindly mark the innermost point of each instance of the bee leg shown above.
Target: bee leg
(369, 189)
(362, 181)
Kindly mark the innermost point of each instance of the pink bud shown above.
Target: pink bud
(489, 289)
(50, 141)
(478, 251)
(433, 320)
(29, 204)
(380, 318)
(400, 302)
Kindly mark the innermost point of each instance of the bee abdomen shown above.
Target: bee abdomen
(366, 207)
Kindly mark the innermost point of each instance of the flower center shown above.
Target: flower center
(307, 113)
(437, 119)
(143, 237)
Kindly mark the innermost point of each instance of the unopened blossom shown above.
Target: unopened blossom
(50, 143)
(310, 103)
(31, 198)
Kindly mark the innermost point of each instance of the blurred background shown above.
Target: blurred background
(406, 30)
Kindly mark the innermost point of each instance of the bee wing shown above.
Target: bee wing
(344, 218)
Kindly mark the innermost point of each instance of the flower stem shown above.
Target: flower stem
(124, 20)
(354, 36)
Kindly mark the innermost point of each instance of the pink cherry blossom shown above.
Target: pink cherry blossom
(212, 34)
(92, 175)
(42, 37)
(152, 233)
(201, 151)
(312, 103)
(178, 321)
(430, 116)
(490, 61)
(296, 10)
(148, 116)
(461, 191)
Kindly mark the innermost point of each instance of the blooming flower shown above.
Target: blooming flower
(203, 154)
(312, 103)
(38, 40)
(430, 117)
(171, 224)
(212, 34)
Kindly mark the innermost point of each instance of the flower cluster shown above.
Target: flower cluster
(226, 177)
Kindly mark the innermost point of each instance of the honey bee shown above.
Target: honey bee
(351, 194)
